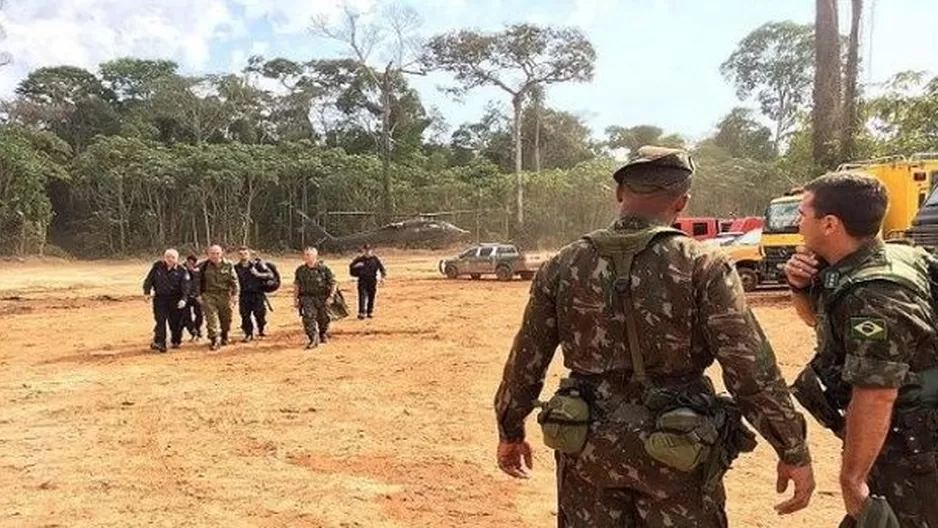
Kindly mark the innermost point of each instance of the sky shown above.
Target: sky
(657, 60)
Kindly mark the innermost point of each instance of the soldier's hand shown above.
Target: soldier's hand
(515, 459)
(181, 304)
(803, 478)
(329, 300)
(801, 268)
(855, 495)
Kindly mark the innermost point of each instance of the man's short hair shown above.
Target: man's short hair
(310, 248)
(192, 258)
(859, 201)
(244, 248)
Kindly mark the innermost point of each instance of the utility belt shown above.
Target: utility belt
(914, 426)
(692, 428)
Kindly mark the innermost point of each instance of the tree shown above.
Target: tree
(851, 120)
(774, 63)
(25, 171)
(402, 50)
(903, 117)
(134, 80)
(741, 136)
(827, 85)
(636, 137)
(516, 60)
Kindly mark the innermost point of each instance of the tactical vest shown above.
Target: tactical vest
(902, 266)
(620, 249)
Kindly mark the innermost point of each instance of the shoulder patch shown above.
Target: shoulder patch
(868, 329)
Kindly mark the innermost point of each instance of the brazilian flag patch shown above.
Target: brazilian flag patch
(868, 329)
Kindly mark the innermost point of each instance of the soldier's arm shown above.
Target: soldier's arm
(750, 370)
(384, 272)
(804, 307)
(235, 284)
(148, 281)
(530, 356)
(186, 285)
(881, 326)
(330, 279)
(296, 286)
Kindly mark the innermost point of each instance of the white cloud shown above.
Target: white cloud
(86, 33)
(292, 16)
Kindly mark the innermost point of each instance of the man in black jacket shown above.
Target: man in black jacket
(170, 285)
(252, 272)
(366, 268)
(192, 314)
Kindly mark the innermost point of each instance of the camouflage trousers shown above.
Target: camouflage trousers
(315, 315)
(908, 483)
(581, 504)
(217, 308)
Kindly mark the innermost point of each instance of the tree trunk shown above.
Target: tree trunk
(516, 102)
(827, 85)
(387, 201)
(851, 122)
(537, 138)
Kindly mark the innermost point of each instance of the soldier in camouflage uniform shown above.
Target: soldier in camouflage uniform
(873, 379)
(219, 290)
(688, 310)
(314, 289)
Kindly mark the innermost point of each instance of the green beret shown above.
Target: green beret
(653, 168)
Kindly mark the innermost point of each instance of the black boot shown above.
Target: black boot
(215, 344)
(224, 338)
(247, 338)
(313, 342)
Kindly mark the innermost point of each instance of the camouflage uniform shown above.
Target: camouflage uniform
(315, 284)
(690, 310)
(219, 283)
(879, 334)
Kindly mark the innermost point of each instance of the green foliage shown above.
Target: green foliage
(904, 118)
(741, 136)
(775, 63)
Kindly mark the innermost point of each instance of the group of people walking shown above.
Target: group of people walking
(185, 295)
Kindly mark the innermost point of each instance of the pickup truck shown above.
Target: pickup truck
(502, 260)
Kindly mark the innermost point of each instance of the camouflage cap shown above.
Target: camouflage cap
(652, 168)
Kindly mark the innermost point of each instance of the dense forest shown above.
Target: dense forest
(137, 155)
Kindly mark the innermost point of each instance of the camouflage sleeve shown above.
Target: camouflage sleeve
(750, 371)
(234, 285)
(530, 356)
(330, 276)
(879, 326)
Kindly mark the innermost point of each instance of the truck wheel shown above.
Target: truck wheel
(749, 278)
(503, 273)
(475, 276)
(527, 275)
(451, 272)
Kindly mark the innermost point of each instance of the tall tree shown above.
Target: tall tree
(774, 63)
(826, 115)
(635, 137)
(395, 33)
(851, 120)
(515, 60)
(741, 136)
(134, 80)
(537, 106)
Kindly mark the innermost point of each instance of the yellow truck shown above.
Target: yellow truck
(908, 180)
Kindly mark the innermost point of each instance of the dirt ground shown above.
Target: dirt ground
(388, 425)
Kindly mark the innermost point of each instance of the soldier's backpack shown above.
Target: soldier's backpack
(269, 285)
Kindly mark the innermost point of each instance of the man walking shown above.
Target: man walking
(366, 268)
(169, 283)
(640, 311)
(219, 288)
(192, 313)
(874, 379)
(314, 289)
(252, 273)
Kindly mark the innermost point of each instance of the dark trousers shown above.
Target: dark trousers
(165, 313)
(367, 289)
(249, 304)
(192, 317)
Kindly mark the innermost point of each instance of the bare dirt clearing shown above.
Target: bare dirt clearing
(388, 425)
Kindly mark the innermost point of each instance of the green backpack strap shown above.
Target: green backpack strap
(897, 271)
(620, 249)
